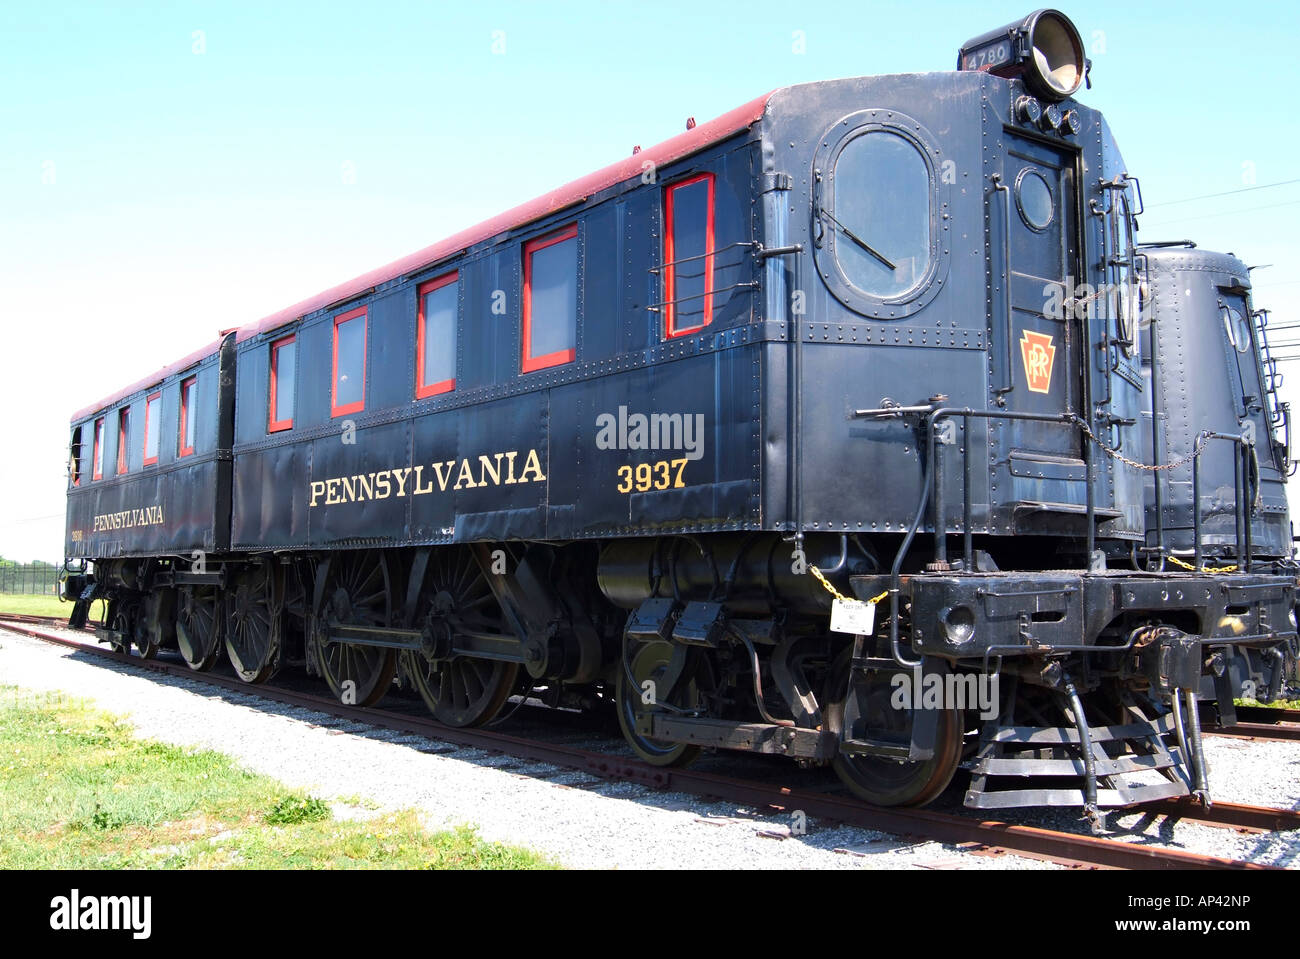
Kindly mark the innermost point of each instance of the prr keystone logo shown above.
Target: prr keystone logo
(1038, 353)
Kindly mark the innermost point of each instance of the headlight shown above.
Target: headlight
(1057, 55)
(958, 624)
(1044, 49)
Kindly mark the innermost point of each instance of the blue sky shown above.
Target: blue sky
(167, 170)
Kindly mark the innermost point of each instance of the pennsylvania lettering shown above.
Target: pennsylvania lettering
(129, 518)
(490, 469)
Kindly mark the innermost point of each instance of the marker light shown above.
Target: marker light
(1028, 110)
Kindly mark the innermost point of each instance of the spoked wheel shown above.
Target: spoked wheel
(199, 626)
(878, 779)
(357, 593)
(462, 690)
(253, 625)
(651, 666)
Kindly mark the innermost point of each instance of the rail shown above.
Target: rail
(1032, 841)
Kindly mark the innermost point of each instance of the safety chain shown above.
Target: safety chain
(1201, 569)
(821, 578)
(1202, 441)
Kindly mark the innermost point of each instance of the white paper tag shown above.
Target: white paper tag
(853, 616)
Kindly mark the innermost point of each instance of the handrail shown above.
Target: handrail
(1242, 509)
(933, 474)
(932, 489)
(1008, 368)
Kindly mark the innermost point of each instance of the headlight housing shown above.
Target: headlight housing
(1044, 49)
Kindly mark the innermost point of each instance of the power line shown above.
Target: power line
(31, 519)
(1210, 196)
(1210, 216)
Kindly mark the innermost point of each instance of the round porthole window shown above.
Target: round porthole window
(1034, 199)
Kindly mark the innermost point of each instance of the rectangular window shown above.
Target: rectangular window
(76, 457)
(152, 413)
(97, 467)
(123, 418)
(550, 300)
(438, 303)
(189, 389)
(284, 375)
(688, 255)
(349, 391)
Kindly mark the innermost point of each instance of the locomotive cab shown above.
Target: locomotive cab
(979, 338)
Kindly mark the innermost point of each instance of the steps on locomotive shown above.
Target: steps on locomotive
(1136, 760)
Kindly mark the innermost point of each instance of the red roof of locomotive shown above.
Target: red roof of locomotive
(669, 151)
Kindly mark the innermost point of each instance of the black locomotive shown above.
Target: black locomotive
(822, 429)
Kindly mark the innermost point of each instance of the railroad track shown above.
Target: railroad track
(980, 835)
(1262, 722)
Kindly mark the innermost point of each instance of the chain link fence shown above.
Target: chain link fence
(31, 579)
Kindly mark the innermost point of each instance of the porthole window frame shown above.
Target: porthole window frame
(1231, 329)
(1020, 205)
(825, 235)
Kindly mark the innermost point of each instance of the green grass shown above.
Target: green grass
(1275, 704)
(78, 791)
(38, 605)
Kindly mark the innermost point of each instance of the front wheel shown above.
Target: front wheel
(880, 780)
(650, 663)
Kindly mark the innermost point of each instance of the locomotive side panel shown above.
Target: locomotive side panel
(1034, 296)
(639, 432)
(1206, 342)
(878, 467)
(171, 504)
(897, 342)
(269, 510)
(489, 335)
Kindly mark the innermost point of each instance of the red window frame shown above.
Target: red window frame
(359, 405)
(670, 272)
(527, 362)
(188, 384)
(148, 401)
(123, 423)
(97, 462)
(444, 386)
(272, 424)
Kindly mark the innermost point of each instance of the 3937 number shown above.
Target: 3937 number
(647, 476)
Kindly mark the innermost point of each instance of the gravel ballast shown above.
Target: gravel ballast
(570, 816)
